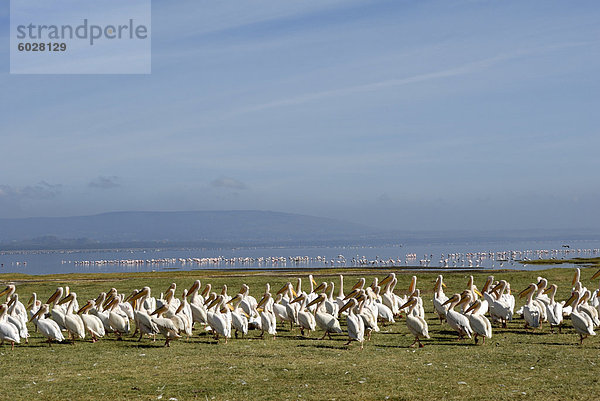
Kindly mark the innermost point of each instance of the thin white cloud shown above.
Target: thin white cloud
(103, 182)
(464, 69)
(42, 190)
(228, 182)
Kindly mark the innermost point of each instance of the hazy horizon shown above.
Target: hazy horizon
(433, 115)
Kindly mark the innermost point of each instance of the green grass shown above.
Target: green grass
(514, 364)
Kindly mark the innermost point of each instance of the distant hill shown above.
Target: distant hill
(247, 226)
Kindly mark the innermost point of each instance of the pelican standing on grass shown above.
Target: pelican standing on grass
(356, 326)
(456, 320)
(531, 310)
(415, 324)
(582, 322)
(479, 323)
(48, 327)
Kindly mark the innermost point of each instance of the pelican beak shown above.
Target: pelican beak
(386, 280)
(574, 278)
(548, 290)
(476, 291)
(133, 293)
(352, 294)
(230, 307)
(66, 299)
(282, 290)
(107, 302)
(206, 290)
(180, 308)
(261, 302)
(472, 307)
(52, 298)
(313, 280)
(237, 296)
(210, 298)
(570, 300)
(320, 287)
(443, 284)
(486, 286)
(451, 299)
(159, 310)
(596, 275)
(525, 292)
(411, 301)
(413, 284)
(346, 306)
(11, 302)
(297, 299)
(37, 314)
(315, 301)
(213, 303)
(294, 292)
(84, 308)
(194, 287)
(357, 285)
(138, 295)
(30, 302)
(5, 291)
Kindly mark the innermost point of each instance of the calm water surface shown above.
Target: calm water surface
(490, 255)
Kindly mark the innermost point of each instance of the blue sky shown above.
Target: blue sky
(397, 114)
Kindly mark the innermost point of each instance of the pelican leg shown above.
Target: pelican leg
(322, 338)
(12, 345)
(302, 331)
(420, 344)
(476, 338)
(140, 339)
(236, 333)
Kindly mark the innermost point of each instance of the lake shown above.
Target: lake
(485, 255)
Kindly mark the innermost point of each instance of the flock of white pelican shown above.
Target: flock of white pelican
(358, 312)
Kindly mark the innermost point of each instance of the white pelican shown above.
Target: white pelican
(92, 324)
(118, 322)
(19, 308)
(355, 324)
(554, 310)
(456, 320)
(306, 320)
(582, 323)
(57, 312)
(239, 318)
(416, 324)
(48, 327)
(499, 306)
(340, 297)
(267, 317)
(8, 331)
(73, 322)
(479, 323)
(143, 322)
(324, 320)
(439, 298)
(531, 310)
(585, 307)
(165, 325)
(388, 298)
(19, 319)
(217, 320)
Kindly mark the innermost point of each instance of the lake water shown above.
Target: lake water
(489, 255)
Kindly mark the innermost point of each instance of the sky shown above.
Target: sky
(411, 115)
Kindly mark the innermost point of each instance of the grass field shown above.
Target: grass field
(514, 364)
